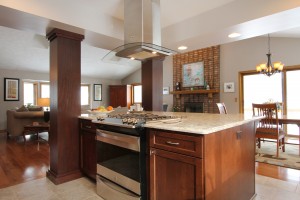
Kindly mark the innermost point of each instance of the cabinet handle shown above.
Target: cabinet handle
(172, 143)
(88, 126)
(238, 135)
(152, 152)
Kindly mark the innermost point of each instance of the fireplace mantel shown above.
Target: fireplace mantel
(182, 92)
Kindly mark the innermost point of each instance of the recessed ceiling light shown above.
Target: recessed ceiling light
(182, 47)
(234, 35)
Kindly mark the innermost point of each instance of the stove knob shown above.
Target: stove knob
(124, 120)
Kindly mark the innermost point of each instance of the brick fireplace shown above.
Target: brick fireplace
(211, 59)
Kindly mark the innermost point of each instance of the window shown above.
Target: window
(85, 94)
(45, 90)
(137, 94)
(292, 99)
(29, 93)
(256, 90)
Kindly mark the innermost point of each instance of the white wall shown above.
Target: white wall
(4, 105)
(135, 77)
(246, 54)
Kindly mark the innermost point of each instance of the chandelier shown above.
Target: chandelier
(269, 68)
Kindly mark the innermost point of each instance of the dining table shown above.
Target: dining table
(291, 119)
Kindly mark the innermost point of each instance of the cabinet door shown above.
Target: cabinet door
(88, 154)
(118, 95)
(175, 176)
(113, 95)
(122, 96)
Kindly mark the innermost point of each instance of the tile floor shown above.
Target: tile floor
(83, 189)
(44, 189)
(273, 189)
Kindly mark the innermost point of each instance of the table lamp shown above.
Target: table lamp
(45, 102)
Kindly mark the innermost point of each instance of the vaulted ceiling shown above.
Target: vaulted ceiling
(193, 23)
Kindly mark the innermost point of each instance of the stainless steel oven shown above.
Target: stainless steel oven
(121, 155)
(121, 163)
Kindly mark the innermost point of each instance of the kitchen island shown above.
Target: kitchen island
(200, 156)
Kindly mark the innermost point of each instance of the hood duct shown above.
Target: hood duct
(142, 33)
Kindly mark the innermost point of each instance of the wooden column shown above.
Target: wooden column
(65, 81)
(152, 82)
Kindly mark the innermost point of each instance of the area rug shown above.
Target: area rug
(267, 154)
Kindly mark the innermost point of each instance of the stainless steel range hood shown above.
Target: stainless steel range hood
(142, 32)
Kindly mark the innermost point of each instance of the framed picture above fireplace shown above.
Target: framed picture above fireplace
(193, 74)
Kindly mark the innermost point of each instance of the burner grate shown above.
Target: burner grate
(140, 116)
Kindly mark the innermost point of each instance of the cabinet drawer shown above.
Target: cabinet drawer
(176, 142)
(87, 125)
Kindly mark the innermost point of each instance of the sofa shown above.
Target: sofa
(17, 119)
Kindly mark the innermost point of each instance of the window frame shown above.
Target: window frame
(283, 83)
(251, 72)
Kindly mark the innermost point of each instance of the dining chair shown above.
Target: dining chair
(222, 108)
(269, 127)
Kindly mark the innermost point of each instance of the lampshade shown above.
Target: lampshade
(44, 102)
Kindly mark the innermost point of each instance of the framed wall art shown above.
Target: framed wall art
(11, 89)
(97, 92)
(229, 87)
(193, 74)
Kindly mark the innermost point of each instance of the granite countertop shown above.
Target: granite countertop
(201, 123)
(198, 123)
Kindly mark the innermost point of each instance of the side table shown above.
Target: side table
(36, 128)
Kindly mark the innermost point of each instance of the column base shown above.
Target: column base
(58, 179)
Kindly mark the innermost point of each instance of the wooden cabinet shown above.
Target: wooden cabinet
(88, 158)
(120, 95)
(176, 167)
(230, 163)
(214, 166)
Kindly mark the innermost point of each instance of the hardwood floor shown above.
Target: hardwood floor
(281, 173)
(21, 162)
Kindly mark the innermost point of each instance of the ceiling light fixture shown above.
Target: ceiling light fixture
(234, 35)
(268, 68)
(182, 48)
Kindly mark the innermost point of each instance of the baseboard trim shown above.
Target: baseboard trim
(59, 179)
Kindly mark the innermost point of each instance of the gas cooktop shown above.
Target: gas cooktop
(133, 120)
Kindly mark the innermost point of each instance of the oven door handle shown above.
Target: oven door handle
(119, 139)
